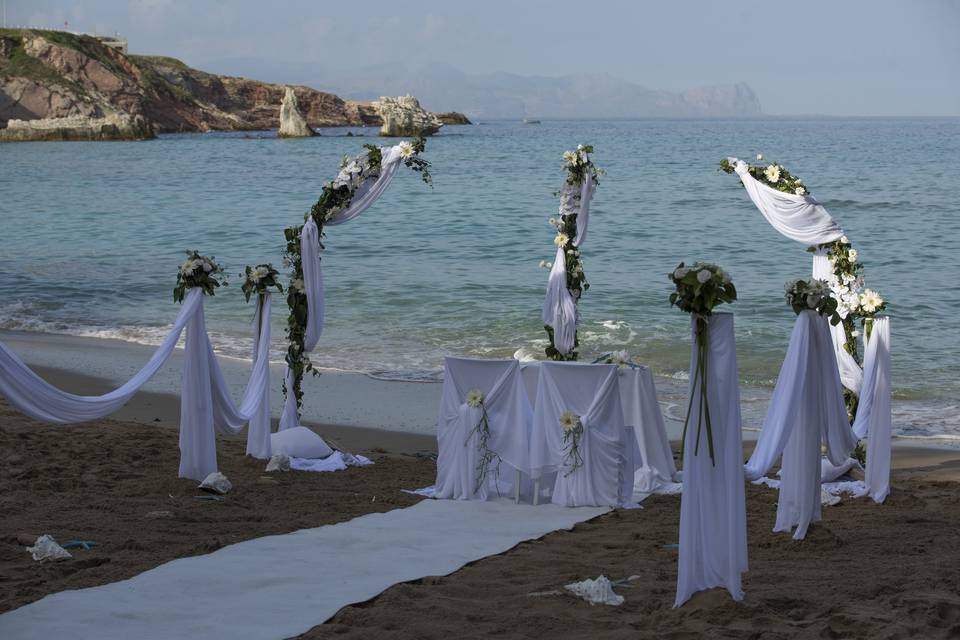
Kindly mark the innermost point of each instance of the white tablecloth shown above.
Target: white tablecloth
(638, 396)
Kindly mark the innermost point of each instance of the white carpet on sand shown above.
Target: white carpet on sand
(281, 586)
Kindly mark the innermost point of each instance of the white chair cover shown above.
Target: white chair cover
(713, 521)
(592, 392)
(313, 274)
(806, 408)
(508, 415)
(205, 399)
(874, 420)
(559, 307)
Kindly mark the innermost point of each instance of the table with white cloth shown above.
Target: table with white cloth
(638, 396)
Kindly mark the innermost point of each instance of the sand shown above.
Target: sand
(866, 571)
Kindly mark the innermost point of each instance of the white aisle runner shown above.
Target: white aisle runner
(281, 586)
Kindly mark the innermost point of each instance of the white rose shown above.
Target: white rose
(704, 275)
(843, 240)
(680, 272)
(772, 173)
(405, 149)
(207, 266)
(759, 156)
(852, 255)
(800, 191)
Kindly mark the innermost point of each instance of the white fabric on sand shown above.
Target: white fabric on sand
(299, 442)
(874, 420)
(592, 393)
(205, 401)
(280, 586)
(559, 307)
(313, 287)
(713, 520)
(508, 414)
(851, 375)
(806, 408)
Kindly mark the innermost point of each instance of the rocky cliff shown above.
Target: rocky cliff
(54, 74)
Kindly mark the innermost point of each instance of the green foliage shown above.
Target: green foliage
(198, 271)
(701, 287)
(773, 175)
(812, 295)
(259, 279)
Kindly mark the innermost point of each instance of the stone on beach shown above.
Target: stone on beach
(292, 122)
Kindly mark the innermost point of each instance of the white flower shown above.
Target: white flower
(297, 284)
(545, 264)
(759, 156)
(405, 149)
(561, 240)
(855, 333)
(680, 272)
(569, 421)
(207, 266)
(704, 275)
(772, 173)
(620, 358)
(552, 221)
(870, 300)
(474, 398)
(844, 240)
(852, 255)
(800, 191)
(570, 157)
(187, 267)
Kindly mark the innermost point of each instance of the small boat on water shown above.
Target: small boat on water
(530, 121)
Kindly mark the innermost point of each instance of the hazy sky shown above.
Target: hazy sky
(836, 57)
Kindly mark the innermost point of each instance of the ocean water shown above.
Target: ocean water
(93, 234)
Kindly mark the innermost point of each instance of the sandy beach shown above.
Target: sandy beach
(865, 571)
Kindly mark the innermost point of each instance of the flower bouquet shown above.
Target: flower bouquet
(258, 279)
(572, 428)
(700, 288)
(772, 174)
(814, 295)
(198, 271)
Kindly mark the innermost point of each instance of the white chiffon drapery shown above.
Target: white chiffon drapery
(713, 521)
(806, 408)
(508, 414)
(874, 421)
(803, 219)
(313, 287)
(205, 402)
(559, 307)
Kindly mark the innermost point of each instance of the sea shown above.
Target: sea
(93, 234)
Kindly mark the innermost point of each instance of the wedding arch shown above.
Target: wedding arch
(359, 183)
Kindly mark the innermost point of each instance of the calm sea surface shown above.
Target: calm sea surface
(93, 234)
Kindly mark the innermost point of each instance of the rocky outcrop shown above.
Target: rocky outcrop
(403, 116)
(112, 127)
(53, 74)
(292, 123)
(453, 117)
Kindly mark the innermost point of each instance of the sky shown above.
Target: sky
(823, 57)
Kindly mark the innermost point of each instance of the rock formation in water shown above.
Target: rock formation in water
(112, 127)
(453, 117)
(292, 122)
(403, 116)
(54, 74)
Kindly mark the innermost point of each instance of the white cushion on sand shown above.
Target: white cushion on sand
(299, 442)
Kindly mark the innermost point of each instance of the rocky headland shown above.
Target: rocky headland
(52, 75)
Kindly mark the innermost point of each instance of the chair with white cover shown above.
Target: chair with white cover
(591, 392)
(461, 427)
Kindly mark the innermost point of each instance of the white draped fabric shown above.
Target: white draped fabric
(806, 408)
(850, 373)
(366, 195)
(713, 521)
(805, 220)
(508, 416)
(592, 392)
(559, 307)
(799, 218)
(205, 401)
(874, 420)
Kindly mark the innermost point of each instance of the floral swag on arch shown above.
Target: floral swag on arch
(360, 181)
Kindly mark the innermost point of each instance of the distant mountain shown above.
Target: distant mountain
(507, 95)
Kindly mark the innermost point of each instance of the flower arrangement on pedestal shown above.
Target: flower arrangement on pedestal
(814, 295)
(355, 176)
(579, 168)
(700, 288)
(259, 279)
(198, 271)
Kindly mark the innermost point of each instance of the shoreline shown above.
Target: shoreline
(337, 398)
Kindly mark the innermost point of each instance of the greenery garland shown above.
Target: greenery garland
(579, 167)
(335, 196)
(475, 400)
